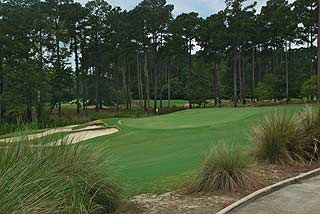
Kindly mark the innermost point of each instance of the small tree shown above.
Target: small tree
(200, 83)
(263, 91)
(309, 88)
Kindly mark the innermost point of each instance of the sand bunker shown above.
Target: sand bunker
(74, 137)
(78, 137)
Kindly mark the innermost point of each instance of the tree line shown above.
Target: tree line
(56, 51)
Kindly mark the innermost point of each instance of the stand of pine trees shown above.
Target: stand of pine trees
(56, 51)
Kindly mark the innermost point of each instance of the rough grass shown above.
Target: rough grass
(225, 169)
(55, 179)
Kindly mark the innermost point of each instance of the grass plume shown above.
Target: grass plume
(225, 169)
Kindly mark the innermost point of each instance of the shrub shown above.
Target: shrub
(263, 91)
(223, 170)
(309, 87)
(278, 139)
(55, 179)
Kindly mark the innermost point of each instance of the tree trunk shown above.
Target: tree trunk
(117, 87)
(76, 58)
(190, 68)
(318, 70)
(84, 88)
(274, 63)
(128, 85)
(260, 65)
(59, 108)
(310, 54)
(1, 82)
(169, 86)
(141, 84)
(218, 84)
(214, 81)
(235, 93)
(287, 73)
(124, 83)
(85, 103)
(155, 78)
(97, 99)
(41, 47)
(146, 80)
(243, 72)
(39, 107)
(240, 76)
(58, 59)
(274, 70)
(29, 110)
(138, 79)
(125, 74)
(162, 77)
(161, 101)
(253, 75)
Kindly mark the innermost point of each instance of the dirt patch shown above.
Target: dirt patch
(181, 203)
(176, 203)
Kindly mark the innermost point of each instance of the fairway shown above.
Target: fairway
(157, 154)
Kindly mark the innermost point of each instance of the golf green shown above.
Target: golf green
(158, 154)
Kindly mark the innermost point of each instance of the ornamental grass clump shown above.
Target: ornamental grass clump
(309, 120)
(226, 170)
(55, 179)
(278, 139)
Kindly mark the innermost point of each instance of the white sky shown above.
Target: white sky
(203, 7)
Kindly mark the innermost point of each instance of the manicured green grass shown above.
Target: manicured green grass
(158, 154)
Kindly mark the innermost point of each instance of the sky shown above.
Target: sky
(203, 7)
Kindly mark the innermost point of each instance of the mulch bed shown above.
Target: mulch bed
(181, 203)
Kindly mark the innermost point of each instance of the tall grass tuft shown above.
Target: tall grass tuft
(225, 169)
(55, 179)
(278, 139)
(309, 120)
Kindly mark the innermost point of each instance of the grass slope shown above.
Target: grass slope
(157, 154)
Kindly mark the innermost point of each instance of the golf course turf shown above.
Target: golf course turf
(159, 154)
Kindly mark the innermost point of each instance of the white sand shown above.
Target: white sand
(80, 135)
